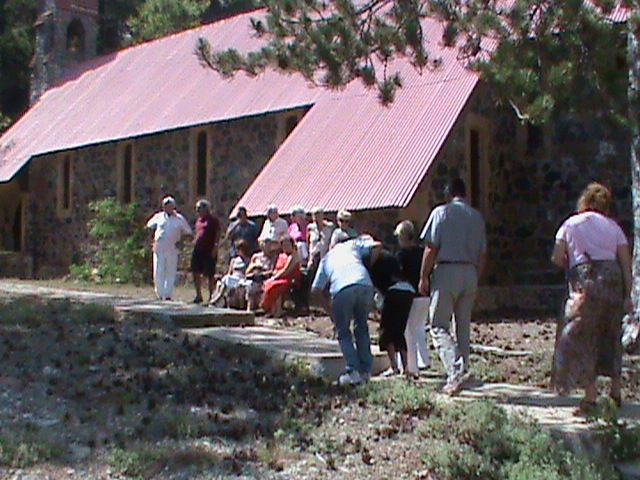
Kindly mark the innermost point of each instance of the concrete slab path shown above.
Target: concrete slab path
(321, 355)
(184, 314)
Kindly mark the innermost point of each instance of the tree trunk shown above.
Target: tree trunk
(634, 115)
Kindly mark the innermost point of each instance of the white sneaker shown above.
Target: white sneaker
(390, 372)
(350, 378)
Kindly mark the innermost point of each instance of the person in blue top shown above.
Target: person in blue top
(343, 287)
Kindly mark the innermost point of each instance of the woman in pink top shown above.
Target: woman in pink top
(594, 250)
(298, 232)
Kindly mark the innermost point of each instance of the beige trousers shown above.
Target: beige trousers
(453, 292)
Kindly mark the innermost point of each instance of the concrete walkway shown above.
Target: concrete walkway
(184, 314)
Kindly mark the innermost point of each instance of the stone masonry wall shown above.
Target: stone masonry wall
(530, 186)
(239, 149)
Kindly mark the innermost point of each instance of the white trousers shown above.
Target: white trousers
(165, 268)
(415, 334)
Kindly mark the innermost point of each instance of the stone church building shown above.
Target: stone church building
(150, 120)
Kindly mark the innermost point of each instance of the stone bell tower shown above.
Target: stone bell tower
(66, 34)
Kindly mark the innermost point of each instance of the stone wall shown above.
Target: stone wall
(530, 181)
(239, 149)
(531, 178)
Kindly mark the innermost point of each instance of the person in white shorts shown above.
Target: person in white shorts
(410, 257)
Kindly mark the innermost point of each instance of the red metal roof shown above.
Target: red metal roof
(150, 88)
(347, 152)
(351, 152)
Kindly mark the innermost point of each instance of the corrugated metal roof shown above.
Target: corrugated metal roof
(146, 89)
(351, 152)
(347, 152)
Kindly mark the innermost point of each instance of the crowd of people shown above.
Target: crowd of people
(417, 289)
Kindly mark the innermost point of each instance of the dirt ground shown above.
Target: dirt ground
(86, 394)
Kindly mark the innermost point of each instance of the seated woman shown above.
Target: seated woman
(286, 272)
(259, 269)
(230, 290)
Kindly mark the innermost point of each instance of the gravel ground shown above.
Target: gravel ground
(88, 395)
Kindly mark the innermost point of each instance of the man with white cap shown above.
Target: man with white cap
(169, 226)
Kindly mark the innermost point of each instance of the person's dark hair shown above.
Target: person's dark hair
(456, 188)
(243, 246)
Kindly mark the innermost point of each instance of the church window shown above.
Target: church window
(201, 164)
(126, 174)
(76, 39)
(478, 186)
(65, 179)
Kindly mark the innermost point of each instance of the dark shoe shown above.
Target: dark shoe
(197, 299)
(586, 409)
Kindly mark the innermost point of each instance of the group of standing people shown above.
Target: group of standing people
(447, 271)
(418, 286)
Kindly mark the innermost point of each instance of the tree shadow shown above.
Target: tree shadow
(87, 379)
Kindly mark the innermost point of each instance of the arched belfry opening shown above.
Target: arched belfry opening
(75, 41)
(66, 35)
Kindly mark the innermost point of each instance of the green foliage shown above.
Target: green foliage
(622, 439)
(544, 53)
(399, 396)
(121, 251)
(28, 313)
(156, 18)
(27, 446)
(17, 42)
(333, 43)
(131, 463)
(480, 441)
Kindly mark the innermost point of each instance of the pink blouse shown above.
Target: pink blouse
(593, 234)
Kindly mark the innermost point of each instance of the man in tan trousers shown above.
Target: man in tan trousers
(453, 259)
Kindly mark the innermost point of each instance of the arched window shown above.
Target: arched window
(126, 177)
(201, 165)
(64, 185)
(76, 39)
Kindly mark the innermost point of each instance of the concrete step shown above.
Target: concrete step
(191, 316)
(322, 356)
(184, 314)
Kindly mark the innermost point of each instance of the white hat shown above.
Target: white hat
(168, 200)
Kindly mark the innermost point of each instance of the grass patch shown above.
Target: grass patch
(28, 446)
(27, 312)
(479, 440)
(144, 460)
(399, 396)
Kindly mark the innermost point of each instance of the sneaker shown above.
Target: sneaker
(455, 384)
(390, 372)
(350, 378)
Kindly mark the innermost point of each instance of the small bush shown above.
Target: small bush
(28, 447)
(131, 463)
(480, 440)
(399, 396)
(120, 251)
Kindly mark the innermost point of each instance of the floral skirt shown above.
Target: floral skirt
(588, 337)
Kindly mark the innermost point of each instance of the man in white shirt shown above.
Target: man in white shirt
(274, 225)
(169, 226)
